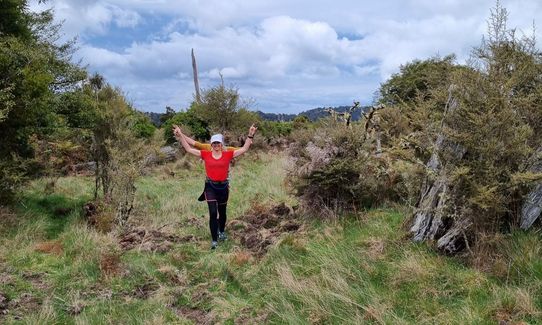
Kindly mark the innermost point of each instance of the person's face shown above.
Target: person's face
(216, 145)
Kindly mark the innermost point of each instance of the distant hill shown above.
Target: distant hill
(155, 118)
(276, 117)
(318, 113)
(313, 114)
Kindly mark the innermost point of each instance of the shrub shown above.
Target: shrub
(334, 168)
(482, 129)
(497, 124)
(36, 69)
(143, 127)
(197, 127)
(274, 129)
(224, 111)
(119, 155)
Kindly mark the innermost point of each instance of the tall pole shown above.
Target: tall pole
(195, 72)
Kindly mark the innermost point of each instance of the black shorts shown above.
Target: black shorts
(215, 191)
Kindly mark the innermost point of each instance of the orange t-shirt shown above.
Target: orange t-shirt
(217, 169)
(207, 146)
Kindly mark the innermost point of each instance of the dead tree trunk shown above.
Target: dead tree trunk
(195, 72)
(431, 219)
(428, 216)
(378, 142)
(532, 206)
(455, 239)
(348, 118)
(372, 126)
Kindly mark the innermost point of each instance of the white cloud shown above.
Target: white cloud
(226, 73)
(280, 45)
(287, 55)
(125, 18)
(94, 17)
(362, 71)
(397, 43)
(102, 59)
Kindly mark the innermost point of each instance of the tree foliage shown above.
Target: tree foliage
(416, 80)
(34, 71)
(143, 127)
(197, 127)
(223, 112)
(275, 129)
(14, 19)
(170, 112)
(483, 141)
(118, 153)
(497, 123)
(218, 107)
(300, 121)
(417, 96)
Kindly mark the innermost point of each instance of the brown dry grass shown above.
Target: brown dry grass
(50, 247)
(241, 258)
(110, 264)
(8, 219)
(413, 267)
(376, 312)
(374, 247)
(487, 255)
(105, 221)
(179, 257)
(513, 304)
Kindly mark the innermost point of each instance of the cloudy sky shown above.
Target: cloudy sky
(286, 56)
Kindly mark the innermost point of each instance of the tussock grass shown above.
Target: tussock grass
(356, 269)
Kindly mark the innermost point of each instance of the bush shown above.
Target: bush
(223, 111)
(334, 168)
(119, 155)
(274, 129)
(197, 127)
(143, 127)
(36, 69)
(300, 122)
(497, 124)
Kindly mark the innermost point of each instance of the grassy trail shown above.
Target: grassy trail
(54, 269)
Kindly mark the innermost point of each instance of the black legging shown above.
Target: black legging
(217, 224)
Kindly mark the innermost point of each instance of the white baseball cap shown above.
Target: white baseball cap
(217, 138)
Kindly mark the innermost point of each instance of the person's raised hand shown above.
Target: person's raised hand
(252, 130)
(177, 131)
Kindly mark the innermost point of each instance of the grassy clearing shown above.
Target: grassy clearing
(361, 269)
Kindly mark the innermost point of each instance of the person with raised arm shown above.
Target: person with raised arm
(205, 146)
(217, 163)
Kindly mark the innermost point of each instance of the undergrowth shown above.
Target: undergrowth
(359, 268)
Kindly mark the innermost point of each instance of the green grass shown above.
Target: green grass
(359, 269)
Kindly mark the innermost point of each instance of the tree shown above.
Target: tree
(479, 171)
(96, 83)
(417, 97)
(170, 112)
(218, 108)
(300, 122)
(198, 128)
(35, 70)
(143, 127)
(416, 80)
(119, 155)
(14, 19)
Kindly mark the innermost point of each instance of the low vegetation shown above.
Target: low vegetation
(459, 142)
(277, 267)
(320, 213)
